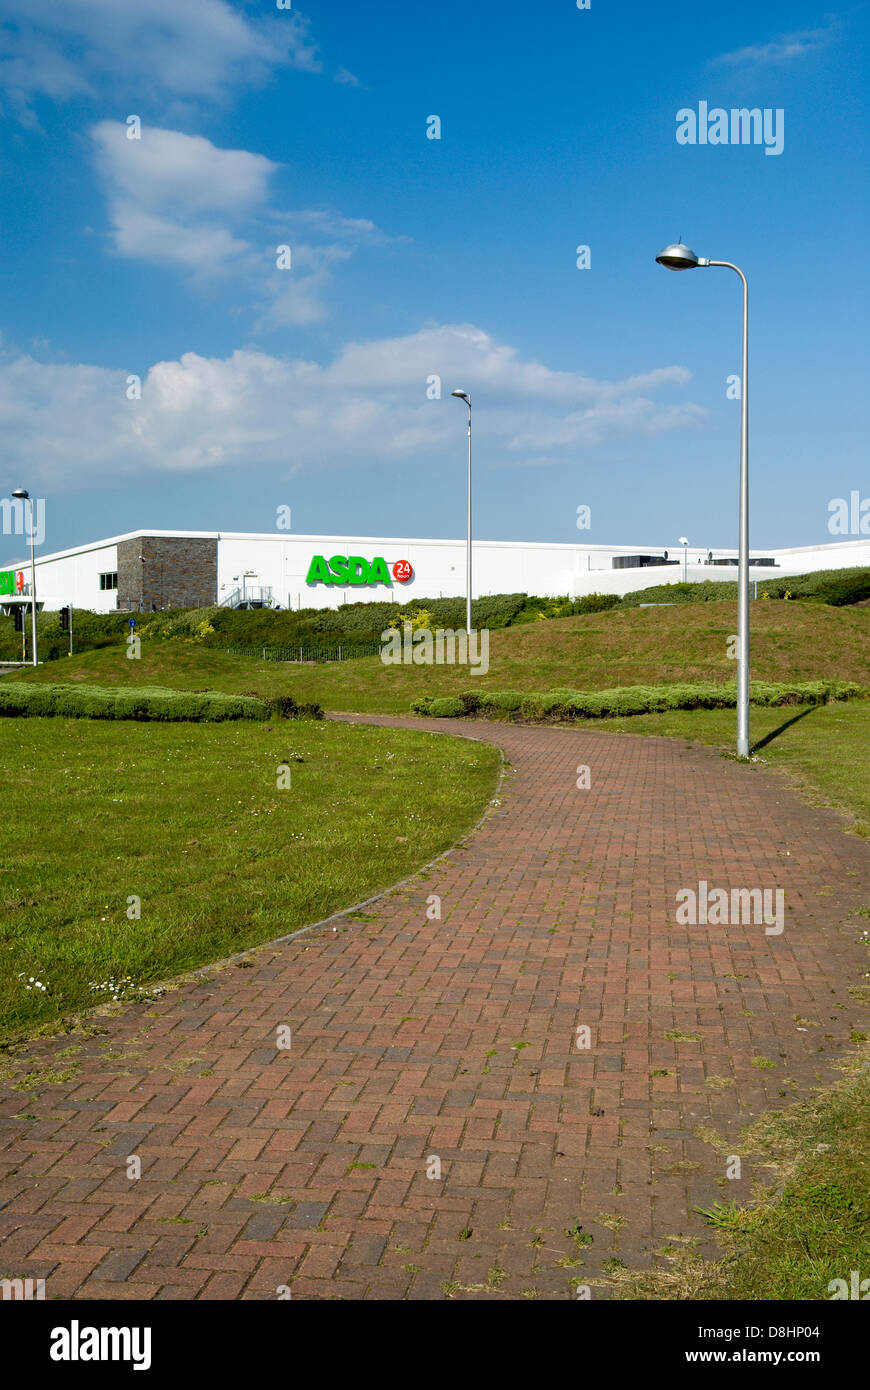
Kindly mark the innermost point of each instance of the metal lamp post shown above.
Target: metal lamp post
(464, 396)
(25, 496)
(680, 257)
(684, 542)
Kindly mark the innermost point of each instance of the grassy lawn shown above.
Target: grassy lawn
(636, 646)
(189, 819)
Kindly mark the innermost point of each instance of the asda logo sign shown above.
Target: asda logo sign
(357, 570)
(11, 582)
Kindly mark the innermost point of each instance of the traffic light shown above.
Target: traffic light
(64, 620)
(19, 618)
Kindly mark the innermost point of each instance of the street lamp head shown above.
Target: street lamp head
(21, 492)
(684, 540)
(679, 257)
(463, 396)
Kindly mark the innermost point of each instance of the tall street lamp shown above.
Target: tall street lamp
(464, 396)
(684, 542)
(680, 257)
(25, 496)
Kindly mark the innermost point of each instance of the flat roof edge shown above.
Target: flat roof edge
(567, 547)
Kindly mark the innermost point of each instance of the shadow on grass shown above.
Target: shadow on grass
(775, 733)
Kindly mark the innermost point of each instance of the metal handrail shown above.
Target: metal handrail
(256, 593)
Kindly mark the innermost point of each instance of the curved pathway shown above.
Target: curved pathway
(421, 1045)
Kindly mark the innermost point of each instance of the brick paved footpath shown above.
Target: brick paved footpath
(456, 1039)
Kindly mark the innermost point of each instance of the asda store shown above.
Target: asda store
(145, 571)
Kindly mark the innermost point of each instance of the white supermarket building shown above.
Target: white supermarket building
(144, 571)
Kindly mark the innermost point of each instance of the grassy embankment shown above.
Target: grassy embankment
(825, 747)
(625, 646)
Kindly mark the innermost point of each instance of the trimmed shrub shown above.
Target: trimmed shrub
(835, 587)
(308, 711)
(447, 707)
(470, 701)
(146, 703)
(635, 699)
(285, 707)
(505, 701)
(595, 603)
(149, 703)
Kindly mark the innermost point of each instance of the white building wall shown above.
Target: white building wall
(281, 562)
(840, 555)
(438, 567)
(73, 576)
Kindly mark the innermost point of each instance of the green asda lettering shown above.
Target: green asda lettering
(348, 569)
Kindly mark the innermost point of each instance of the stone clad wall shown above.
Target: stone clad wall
(175, 572)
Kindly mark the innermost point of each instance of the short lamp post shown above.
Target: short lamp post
(680, 257)
(24, 496)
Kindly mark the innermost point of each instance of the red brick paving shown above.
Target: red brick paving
(415, 1039)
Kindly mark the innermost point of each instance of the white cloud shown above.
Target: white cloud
(295, 297)
(182, 48)
(201, 249)
(73, 426)
(178, 200)
(470, 353)
(327, 222)
(170, 196)
(166, 169)
(782, 49)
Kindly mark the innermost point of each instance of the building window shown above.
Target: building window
(109, 581)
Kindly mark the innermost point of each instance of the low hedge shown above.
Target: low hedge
(838, 588)
(632, 699)
(147, 703)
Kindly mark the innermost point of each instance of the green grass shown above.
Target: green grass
(189, 818)
(596, 651)
(811, 1226)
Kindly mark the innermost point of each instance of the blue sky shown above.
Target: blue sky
(413, 257)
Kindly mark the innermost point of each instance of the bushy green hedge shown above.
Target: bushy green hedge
(632, 699)
(285, 707)
(148, 703)
(834, 587)
(90, 630)
(708, 591)
(446, 707)
(350, 625)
